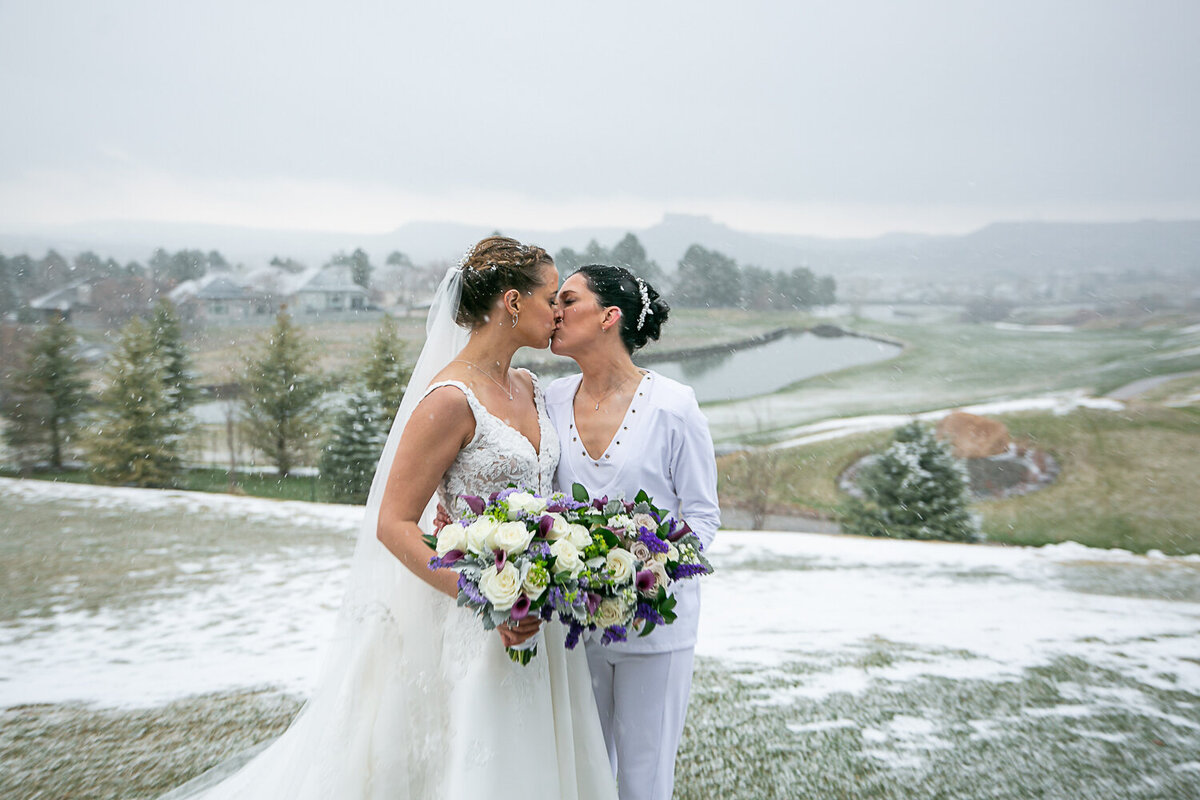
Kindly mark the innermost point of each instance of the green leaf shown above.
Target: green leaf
(579, 493)
(649, 626)
(641, 497)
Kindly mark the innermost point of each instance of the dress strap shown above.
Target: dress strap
(473, 401)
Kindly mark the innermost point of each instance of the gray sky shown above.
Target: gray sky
(838, 118)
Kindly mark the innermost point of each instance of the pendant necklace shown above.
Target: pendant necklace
(604, 396)
(507, 390)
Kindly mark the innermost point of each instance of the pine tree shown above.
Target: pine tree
(281, 391)
(386, 374)
(178, 377)
(349, 457)
(916, 489)
(46, 401)
(138, 433)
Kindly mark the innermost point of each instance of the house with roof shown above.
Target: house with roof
(330, 288)
(218, 297)
(73, 303)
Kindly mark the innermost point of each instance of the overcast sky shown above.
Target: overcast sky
(837, 118)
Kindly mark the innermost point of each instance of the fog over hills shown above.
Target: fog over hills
(1172, 246)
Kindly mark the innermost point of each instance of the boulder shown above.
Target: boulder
(973, 436)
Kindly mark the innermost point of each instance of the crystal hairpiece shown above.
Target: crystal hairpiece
(646, 309)
(466, 259)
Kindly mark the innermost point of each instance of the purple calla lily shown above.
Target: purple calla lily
(545, 524)
(679, 533)
(644, 581)
(474, 503)
(501, 558)
(600, 502)
(520, 609)
(593, 602)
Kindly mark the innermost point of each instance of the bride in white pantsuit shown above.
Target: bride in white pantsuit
(622, 429)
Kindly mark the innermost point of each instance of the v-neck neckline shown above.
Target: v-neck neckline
(623, 425)
(538, 409)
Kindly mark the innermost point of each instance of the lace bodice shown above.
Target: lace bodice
(499, 454)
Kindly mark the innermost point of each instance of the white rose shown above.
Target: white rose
(524, 502)
(566, 557)
(480, 533)
(560, 528)
(660, 574)
(620, 565)
(672, 552)
(501, 588)
(660, 558)
(535, 582)
(644, 521)
(610, 612)
(641, 552)
(512, 537)
(451, 537)
(579, 536)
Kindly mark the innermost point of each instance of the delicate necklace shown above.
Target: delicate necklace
(506, 389)
(604, 396)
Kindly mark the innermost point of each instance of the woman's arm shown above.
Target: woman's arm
(440, 426)
(694, 474)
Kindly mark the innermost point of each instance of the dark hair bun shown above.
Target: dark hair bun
(492, 267)
(643, 311)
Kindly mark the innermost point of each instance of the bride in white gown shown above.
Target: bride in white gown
(415, 699)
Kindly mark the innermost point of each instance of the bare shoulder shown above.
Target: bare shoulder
(445, 405)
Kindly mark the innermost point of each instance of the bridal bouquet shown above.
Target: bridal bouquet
(594, 564)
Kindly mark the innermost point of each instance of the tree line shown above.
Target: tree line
(710, 279)
(130, 427)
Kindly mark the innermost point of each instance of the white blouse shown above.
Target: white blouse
(662, 446)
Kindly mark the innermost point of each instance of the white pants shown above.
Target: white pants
(642, 700)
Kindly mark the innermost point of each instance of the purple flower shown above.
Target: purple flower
(600, 502)
(520, 609)
(539, 549)
(689, 570)
(566, 504)
(471, 591)
(503, 493)
(501, 558)
(614, 633)
(545, 524)
(651, 540)
(678, 533)
(629, 507)
(593, 602)
(573, 635)
(473, 502)
(546, 612)
(446, 560)
(644, 581)
(646, 611)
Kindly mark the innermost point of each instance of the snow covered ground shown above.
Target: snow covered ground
(256, 612)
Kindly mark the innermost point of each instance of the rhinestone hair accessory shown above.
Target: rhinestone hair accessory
(646, 309)
(466, 259)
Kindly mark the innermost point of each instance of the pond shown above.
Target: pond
(769, 367)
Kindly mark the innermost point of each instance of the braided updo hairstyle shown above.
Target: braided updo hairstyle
(643, 311)
(492, 267)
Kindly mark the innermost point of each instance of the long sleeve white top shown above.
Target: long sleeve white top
(662, 446)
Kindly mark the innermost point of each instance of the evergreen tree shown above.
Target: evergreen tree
(138, 435)
(47, 397)
(281, 390)
(178, 379)
(630, 254)
(349, 456)
(708, 278)
(386, 373)
(915, 489)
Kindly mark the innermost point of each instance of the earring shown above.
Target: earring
(514, 320)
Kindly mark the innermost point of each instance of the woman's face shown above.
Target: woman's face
(579, 317)
(536, 320)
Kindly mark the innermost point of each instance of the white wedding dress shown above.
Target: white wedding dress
(416, 700)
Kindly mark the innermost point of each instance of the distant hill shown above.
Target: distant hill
(1022, 247)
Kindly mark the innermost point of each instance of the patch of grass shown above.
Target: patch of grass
(312, 488)
(81, 752)
(1128, 480)
(935, 737)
